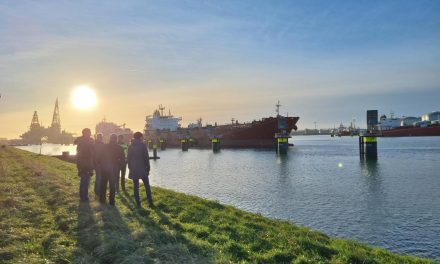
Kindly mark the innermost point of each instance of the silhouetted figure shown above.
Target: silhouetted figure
(85, 153)
(123, 167)
(139, 167)
(99, 149)
(110, 160)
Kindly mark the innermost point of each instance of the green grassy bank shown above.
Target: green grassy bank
(42, 221)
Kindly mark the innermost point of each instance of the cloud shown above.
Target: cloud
(224, 59)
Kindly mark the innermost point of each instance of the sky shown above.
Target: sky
(326, 61)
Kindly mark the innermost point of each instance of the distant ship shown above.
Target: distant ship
(255, 134)
(345, 131)
(108, 128)
(426, 125)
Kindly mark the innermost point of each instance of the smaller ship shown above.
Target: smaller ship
(345, 131)
(108, 128)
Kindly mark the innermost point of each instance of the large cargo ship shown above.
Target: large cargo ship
(255, 134)
(426, 125)
(432, 130)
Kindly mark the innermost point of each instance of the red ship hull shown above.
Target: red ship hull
(412, 132)
(258, 134)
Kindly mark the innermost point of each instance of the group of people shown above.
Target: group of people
(108, 161)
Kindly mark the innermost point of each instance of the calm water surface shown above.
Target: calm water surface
(50, 149)
(394, 203)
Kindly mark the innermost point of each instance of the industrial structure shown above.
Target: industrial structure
(53, 134)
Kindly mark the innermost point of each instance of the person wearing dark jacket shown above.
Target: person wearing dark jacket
(139, 167)
(99, 148)
(124, 166)
(111, 160)
(84, 162)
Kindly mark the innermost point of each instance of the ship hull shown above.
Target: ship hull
(412, 132)
(258, 134)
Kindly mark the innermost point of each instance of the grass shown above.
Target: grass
(42, 221)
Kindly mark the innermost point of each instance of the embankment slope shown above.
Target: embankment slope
(42, 221)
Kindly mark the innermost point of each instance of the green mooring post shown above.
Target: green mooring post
(191, 142)
(282, 144)
(184, 144)
(215, 144)
(368, 147)
(163, 144)
(154, 151)
(150, 144)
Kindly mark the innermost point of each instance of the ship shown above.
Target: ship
(412, 131)
(426, 125)
(255, 134)
(345, 131)
(108, 128)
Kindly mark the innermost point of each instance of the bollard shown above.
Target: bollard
(154, 151)
(191, 142)
(368, 147)
(150, 144)
(282, 145)
(184, 144)
(162, 144)
(215, 144)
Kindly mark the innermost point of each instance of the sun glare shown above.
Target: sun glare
(83, 98)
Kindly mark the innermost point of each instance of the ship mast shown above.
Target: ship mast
(278, 108)
(161, 108)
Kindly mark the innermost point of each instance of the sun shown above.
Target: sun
(83, 98)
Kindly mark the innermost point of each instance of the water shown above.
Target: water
(394, 203)
(50, 149)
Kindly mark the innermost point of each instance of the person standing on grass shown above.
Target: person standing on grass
(123, 168)
(99, 148)
(110, 160)
(85, 153)
(139, 167)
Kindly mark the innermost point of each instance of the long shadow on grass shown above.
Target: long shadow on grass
(164, 239)
(88, 233)
(104, 237)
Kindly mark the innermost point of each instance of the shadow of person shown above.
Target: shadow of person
(87, 232)
(165, 238)
(126, 233)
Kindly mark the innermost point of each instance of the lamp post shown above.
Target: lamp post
(42, 139)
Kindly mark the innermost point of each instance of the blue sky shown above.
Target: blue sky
(326, 61)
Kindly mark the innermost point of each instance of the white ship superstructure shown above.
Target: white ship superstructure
(108, 128)
(159, 121)
(389, 123)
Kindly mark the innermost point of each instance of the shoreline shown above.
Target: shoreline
(182, 228)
